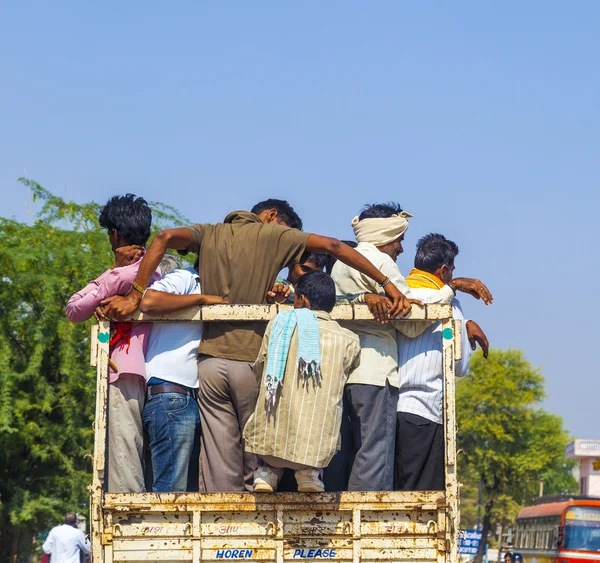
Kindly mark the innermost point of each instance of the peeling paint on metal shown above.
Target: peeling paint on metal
(411, 526)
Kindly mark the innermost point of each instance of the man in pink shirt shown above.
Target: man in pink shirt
(127, 221)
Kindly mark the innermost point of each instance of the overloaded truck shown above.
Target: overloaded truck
(398, 526)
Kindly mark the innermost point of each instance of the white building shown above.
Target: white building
(588, 454)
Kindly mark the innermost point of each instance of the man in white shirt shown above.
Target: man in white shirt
(65, 542)
(366, 460)
(420, 429)
(170, 417)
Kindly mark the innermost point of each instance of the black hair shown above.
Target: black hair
(319, 259)
(130, 217)
(433, 251)
(284, 211)
(71, 518)
(318, 288)
(380, 210)
(331, 260)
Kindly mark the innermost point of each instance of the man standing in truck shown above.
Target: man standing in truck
(420, 429)
(171, 416)
(366, 460)
(239, 261)
(283, 290)
(127, 220)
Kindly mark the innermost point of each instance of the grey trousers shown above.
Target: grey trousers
(227, 395)
(125, 435)
(365, 461)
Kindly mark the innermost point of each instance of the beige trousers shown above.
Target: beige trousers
(227, 396)
(125, 435)
(278, 463)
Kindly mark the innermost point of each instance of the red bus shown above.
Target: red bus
(559, 531)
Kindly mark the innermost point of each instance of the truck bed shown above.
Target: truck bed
(416, 526)
(395, 526)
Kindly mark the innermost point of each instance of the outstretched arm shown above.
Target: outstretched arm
(116, 307)
(160, 302)
(477, 336)
(473, 287)
(354, 259)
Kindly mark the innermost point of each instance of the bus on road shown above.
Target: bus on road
(559, 530)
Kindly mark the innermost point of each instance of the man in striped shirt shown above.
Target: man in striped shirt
(366, 459)
(301, 430)
(420, 429)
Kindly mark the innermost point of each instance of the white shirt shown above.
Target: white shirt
(379, 349)
(64, 543)
(173, 347)
(420, 365)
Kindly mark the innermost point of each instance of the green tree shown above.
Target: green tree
(47, 389)
(508, 442)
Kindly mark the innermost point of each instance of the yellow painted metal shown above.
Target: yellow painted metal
(412, 526)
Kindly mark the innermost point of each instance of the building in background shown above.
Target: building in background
(588, 469)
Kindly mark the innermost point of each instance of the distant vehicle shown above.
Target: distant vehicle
(561, 530)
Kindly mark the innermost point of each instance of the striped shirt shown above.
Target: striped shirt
(420, 365)
(379, 358)
(304, 426)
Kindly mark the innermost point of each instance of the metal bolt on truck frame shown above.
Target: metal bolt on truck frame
(399, 526)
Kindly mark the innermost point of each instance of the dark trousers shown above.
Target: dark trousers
(365, 461)
(419, 454)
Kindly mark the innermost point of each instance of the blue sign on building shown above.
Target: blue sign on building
(468, 542)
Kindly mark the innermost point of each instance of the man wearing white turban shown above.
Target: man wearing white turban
(366, 460)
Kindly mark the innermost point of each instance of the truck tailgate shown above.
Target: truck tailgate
(352, 527)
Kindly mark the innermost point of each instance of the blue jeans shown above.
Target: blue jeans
(172, 422)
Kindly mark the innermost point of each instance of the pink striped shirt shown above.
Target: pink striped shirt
(129, 358)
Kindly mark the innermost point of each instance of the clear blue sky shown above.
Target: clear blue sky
(480, 118)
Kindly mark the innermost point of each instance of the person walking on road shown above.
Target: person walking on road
(65, 542)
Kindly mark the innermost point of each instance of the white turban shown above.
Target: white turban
(381, 230)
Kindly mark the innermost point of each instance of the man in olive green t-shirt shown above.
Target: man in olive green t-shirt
(239, 261)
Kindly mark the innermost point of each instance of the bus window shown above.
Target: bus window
(582, 528)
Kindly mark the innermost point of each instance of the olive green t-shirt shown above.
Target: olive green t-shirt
(239, 261)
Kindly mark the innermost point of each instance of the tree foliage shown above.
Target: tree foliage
(47, 388)
(508, 442)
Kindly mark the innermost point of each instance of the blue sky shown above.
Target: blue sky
(482, 119)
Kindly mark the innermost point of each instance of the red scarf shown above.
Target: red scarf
(122, 336)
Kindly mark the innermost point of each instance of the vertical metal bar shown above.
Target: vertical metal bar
(94, 346)
(101, 337)
(279, 535)
(197, 535)
(448, 345)
(457, 340)
(442, 535)
(356, 535)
